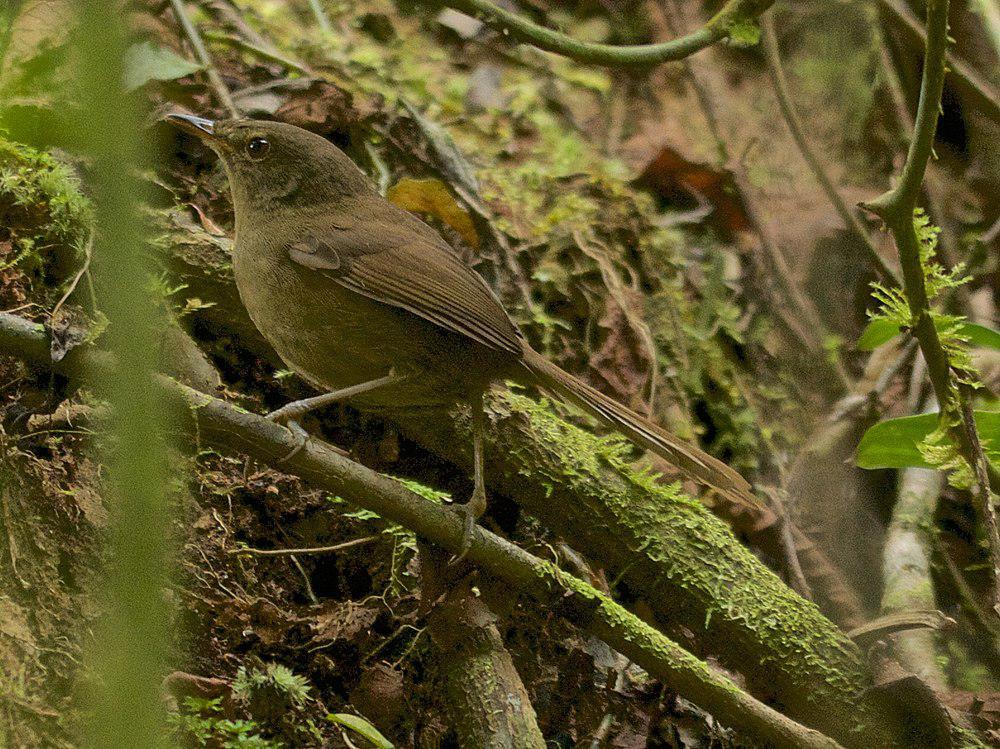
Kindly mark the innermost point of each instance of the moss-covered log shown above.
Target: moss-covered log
(680, 558)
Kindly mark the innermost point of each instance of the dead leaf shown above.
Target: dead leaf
(431, 197)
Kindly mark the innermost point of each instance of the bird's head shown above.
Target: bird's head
(271, 165)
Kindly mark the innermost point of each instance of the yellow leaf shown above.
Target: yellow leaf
(431, 197)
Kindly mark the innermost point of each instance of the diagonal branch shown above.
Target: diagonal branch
(715, 29)
(219, 424)
(965, 76)
(791, 115)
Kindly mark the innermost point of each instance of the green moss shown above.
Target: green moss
(671, 548)
(44, 217)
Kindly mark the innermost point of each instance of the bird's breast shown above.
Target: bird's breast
(335, 338)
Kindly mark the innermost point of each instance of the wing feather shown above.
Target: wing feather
(406, 264)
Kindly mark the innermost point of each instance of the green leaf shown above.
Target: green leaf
(877, 332)
(145, 62)
(362, 727)
(880, 331)
(980, 335)
(894, 443)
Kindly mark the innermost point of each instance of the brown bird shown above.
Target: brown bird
(368, 303)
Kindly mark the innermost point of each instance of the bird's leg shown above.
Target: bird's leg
(290, 413)
(476, 505)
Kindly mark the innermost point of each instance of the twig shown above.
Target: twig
(965, 76)
(321, 17)
(791, 115)
(271, 55)
(226, 427)
(307, 550)
(310, 593)
(896, 208)
(88, 248)
(967, 596)
(798, 579)
(511, 24)
(194, 38)
(900, 621)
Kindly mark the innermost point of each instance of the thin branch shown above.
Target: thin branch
(194, 38)
(896, 208)
(797, 313)
(321, 17)
(791, 115)
(223, 426)
(964, 75)
(306, 550)
(271, 55)
(511, 24)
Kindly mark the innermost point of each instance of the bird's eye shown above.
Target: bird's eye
(257, 148)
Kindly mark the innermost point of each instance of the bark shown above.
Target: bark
(487, 703)
(906, 567)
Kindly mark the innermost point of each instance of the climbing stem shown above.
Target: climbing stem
(516, 26)
(896, 208)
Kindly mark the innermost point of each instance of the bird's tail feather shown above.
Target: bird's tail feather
(692, 461)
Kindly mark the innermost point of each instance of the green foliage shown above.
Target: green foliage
(880, 331)
(361, 727)
(145, 62)
(922, 442)
(200, 723)
(744, 32)
(41, 203)
(936, 447)
(273, 682)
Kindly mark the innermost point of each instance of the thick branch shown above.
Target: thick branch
(194, 38)
(637, 55)
(487, 703)
(223, 426)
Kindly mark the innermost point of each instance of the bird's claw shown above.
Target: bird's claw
(472, 511)
(300, 434)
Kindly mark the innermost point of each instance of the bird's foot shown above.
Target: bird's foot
(471, 511)
(281, 416)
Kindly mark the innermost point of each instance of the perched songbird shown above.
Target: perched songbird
(368, 303)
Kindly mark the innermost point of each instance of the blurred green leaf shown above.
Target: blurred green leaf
(981, 336)
(880, 331)
(145, 62)
(362, 727)
(894, 443)
(877, 332)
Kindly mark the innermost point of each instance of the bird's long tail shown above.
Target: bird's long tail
(692, 461)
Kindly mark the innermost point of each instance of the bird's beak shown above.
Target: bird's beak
(197, 126)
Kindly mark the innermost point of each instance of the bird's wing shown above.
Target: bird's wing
(406, 264)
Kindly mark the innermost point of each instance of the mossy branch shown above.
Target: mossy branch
(487, 703)
(896, 207)
(218, 424)
(715, 29)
